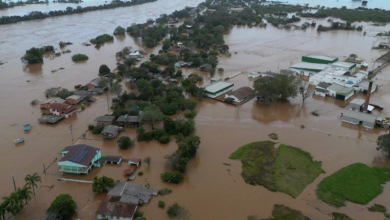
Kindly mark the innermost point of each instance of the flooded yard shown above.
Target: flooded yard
(211, 190)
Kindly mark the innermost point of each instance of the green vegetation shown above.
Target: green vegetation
(58, 92)
(104, 69)
(177, 212)
(285, 169)
(356, 183)
(62, 208)
(190, 114)
(96, 129)
(102, 184)
(340, 216)
(79, 57)
(125, 142)
(37, 15)
(352, 15)
(101, 39)
(377, 208)
(281, 212)
(384, 144)
(172, 177)
(188, 147)
(35, 55)
(152, 115)
(158, 134)
(140, 173)
(280, 86)
(119, 31)
(164, 191)
(161, 204)
(32, 180)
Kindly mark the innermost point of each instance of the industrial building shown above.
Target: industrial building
(217, 89)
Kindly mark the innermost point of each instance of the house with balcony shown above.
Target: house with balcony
(63, 110)
(79, 159)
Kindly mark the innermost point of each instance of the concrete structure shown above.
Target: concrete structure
(50, 119)
(73, 99)
(110, 132)
(311, 58)
(356, 105)
(79, 159)
(340, 92)
(104, 121)
(241, 95)
(347, 66)
(363, 87)
(63, 110)
(46, 104)
(217, 89)
(308, 69)
(322, 89)
(359, 118)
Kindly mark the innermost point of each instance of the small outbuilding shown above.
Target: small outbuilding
(359, 118)
(128, 121)
(110, 132)
(73, 99)
(50, 119)
(241, 95)
(104, 121)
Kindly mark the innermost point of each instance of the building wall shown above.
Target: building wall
(315, 60)
(112, 217)
(221, 92)
(322, 94)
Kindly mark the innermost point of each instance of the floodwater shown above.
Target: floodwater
(211, 190)
(383, 4)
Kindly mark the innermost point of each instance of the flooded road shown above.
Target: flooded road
(211, 190)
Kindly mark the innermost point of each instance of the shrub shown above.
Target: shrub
(79, 57)
(125, 142)
(119, 31)
(190, 114)
(62, 207)
(102, 184)
(104, 69)
(97, 129)
(138, 214)
(175, 211)
(101, 39)
(140, 173)
(91, 127)
(164, 191)
(161, 204)
(172, 177)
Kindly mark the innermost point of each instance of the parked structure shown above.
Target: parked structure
(104, 121)
(74, 99)
(128, 121)
(63, 110)
(217, 89)
(241, 95)
(79, 159)
(46, 104)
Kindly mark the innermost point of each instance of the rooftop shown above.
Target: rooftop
(81, 154)
(111, 129)
(321, 57)
(95, 82)
(132, 193)
(62, 107)
(111, 206)
(105, 118)
(218, 86)
(51, 119)
(243, 92)
(126, 118)
(324, 85)
(360, 116)
(313, 66)
(76, 97)
(53, 100)
(357, 101)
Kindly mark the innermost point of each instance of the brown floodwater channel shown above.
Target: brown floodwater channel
(210, 190)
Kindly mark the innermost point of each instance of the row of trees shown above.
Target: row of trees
(36, 15)
(17, 200)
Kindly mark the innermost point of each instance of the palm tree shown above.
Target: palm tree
(3, 209)
(25, 193)
(13, 203)
(31, 181)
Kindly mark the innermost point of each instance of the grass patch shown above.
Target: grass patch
(281, 212)
(340, 216)
(294, 170)
(357, 183)
(284, 169)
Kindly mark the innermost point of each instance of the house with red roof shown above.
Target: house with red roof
(62, 109)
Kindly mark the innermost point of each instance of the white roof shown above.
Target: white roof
(357, 101)
(360, 116)
(304, 65)
(343, 64)
(76, 97)
(54, 100)
(321, 57)
(215, 87)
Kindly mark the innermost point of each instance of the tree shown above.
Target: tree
(62, 208)
(177, 212)
(280, 86)
(79, 57)
(384, 144)
(12, 203)
(102, 184)
(305, 90)
(152, 115)
(25, 193)
(116, 89)
(172, 177)
(33, 55)
(119, 31)
(3, 210)
(104, 69)
(125, 142)
(147, 160)
(32, 180)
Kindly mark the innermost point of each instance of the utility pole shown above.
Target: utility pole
(13, 180)
(108, 103)
(71, 132)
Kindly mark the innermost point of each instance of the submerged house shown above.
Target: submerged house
(110, 132)
(79, 159)
(63, 110)
(217, 89)
(104, 121)
(122, 201)
(241, 95)
(128, 121)
(73, 99)
(46, 104)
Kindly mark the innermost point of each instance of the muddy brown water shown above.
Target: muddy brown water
(210, 190)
